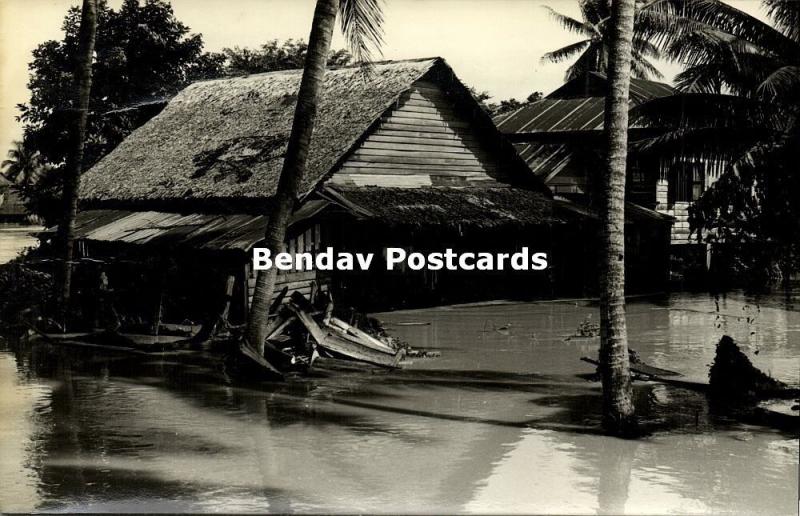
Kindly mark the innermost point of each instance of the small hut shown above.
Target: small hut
(402, 156)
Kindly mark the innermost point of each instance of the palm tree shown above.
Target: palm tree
(618, 416)
(738, 106)
(361, 22)
(74, 164)
(593, 49)
(22, 167)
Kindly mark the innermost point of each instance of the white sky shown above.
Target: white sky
(493, 45)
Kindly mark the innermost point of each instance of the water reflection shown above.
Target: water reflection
(499, 424)
(16, 238)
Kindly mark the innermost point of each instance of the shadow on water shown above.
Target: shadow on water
(174, 433)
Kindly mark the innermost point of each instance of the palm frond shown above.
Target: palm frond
(783, 82)
(642, 68)
(587, 62)
(669, 22)
(595, 11)
(786, 15)
(704, 143)
(556, 56)
(701, 110)
(646, 48)
(362, 25)
(571, 24)
(702, 78)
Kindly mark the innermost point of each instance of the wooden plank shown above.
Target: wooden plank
(436, 138)
(420, 101)
(438, 110)
(421, 148)
(429, 90)
(327, 339)
(486, 167)
(365, 338)
(428, 87)
(396, 181)
(424, 123)
(411, 160)
(405, 125)
(405, 172)
(437, 116)
(249, 353)
(423, 138)
(396, 152)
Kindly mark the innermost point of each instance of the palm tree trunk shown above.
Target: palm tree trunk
(74, 165)
(294, 165)
(618, 417)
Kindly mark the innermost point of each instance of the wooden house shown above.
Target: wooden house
(402, 156)
(560, 138)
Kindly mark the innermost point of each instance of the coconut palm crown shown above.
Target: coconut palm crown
(592, 49)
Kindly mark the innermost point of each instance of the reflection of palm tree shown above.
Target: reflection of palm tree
(592, 50)
(23, 167)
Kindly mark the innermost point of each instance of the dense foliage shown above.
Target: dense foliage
(273, 55)
(738, 103)
(143, 55)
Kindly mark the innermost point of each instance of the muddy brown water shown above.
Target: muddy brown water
(499, 423)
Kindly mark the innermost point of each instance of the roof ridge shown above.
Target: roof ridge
(432, 59)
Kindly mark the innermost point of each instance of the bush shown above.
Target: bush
(24, 294)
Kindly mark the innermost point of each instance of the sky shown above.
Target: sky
(493, 45)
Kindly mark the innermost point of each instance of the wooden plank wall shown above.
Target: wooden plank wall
(424, 141)
(310, 241)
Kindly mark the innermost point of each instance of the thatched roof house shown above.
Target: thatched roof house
(220, 144)
(405, 146)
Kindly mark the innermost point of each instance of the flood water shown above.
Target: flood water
(498, 424)
(14, 238)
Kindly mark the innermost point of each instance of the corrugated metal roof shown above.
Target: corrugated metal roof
(548, 115)
(633, 212)
(545, 159)
(594, 85)
(644, 90)
(196, 230)
(213, 232)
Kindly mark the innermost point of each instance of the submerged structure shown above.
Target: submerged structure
(401, 157)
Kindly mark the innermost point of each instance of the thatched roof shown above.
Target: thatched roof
(225, 139)
(477, 207)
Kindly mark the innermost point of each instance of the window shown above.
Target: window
(686, 182)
